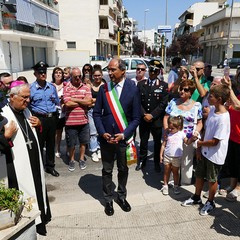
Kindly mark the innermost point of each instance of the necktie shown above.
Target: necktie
(116, 88)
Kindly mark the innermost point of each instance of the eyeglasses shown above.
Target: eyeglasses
(24, 97)
(141, 69)
(184, 89)
(77, 76)
(198, 69)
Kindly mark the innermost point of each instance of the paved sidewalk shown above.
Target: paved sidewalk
(78, 210)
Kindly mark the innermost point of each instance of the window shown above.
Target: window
(71, 44)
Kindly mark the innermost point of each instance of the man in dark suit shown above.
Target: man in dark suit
(154, 99)
(113, 139)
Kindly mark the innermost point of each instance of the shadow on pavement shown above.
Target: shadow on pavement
(227, 218)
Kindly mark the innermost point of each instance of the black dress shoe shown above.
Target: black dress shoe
(139, 166)
(52, 171)
(125, 206)
(109, 208)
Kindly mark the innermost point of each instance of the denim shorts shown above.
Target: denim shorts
(77, 134)
(207, 169)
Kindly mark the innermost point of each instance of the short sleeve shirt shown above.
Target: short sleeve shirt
(188, 116)
(217, 126)
(76, 115)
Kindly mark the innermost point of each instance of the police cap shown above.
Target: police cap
(155, 64)
(40, 67)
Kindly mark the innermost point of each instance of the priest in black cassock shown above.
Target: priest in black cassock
(24, 164)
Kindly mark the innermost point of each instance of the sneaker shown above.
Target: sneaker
(58, 154)
(71, 166)
(176, 190)
(190, 202)
(82, 164)
(207, 208)
(164, 190)
(99, 154)
(94, 157)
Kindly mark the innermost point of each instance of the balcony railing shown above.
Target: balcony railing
(11, 24)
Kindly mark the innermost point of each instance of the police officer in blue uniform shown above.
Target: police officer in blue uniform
(43, 104)
(154, 99)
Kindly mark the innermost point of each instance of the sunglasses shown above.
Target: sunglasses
(141, 69)
(41, 73)
(184, 89)
(78, 76)
(198, 69)
(86, 69)
(155, 70)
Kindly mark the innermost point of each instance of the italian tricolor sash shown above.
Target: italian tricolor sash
(121, 120)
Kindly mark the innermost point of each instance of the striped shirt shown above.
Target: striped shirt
(76, 115)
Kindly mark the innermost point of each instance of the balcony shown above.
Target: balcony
(104, 34)
(103, 10)
(11, 24)
(208, 37)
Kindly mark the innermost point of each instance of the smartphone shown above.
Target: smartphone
(226, 71)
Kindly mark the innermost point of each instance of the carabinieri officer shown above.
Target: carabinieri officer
(43, 104)
(154, 99)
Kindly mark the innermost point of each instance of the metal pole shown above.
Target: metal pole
(144, 29)
(165, 36)
(118, 39)
(229, 32)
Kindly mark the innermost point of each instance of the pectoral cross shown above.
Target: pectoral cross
(29, 143)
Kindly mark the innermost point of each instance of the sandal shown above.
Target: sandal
(226, 190)
(231, 197)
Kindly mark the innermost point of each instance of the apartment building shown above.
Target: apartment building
(193, 16)
(221, 36)
(28, 31)
(90, 28)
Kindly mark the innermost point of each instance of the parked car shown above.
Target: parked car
(131, 65)
(234, 62)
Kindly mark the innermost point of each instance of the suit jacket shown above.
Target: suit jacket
(154, 100)
(130, 101)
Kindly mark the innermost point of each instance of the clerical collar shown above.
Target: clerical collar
(15, 110)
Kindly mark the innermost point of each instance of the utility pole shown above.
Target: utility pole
(229, 33)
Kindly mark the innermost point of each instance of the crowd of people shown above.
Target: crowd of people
(194, 122)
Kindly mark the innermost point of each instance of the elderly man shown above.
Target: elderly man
(116, 114)
(43, 104)
(24, 163)
(202, 84)
(77, 97)
(154, 99)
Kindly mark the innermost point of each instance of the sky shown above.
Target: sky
(157, 11)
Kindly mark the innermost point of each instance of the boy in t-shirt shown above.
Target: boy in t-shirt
(213, 148)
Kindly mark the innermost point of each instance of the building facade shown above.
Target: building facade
(90, 29)
(28, 31)
(221, 38)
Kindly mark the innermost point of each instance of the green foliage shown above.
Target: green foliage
(10, 198)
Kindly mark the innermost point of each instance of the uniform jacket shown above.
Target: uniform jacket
(154, 99)
(130, 101)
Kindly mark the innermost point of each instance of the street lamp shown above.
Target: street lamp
(144, 39)
(165, 36)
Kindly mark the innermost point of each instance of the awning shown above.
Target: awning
(53, 20)
(24, 13)
(40, 15)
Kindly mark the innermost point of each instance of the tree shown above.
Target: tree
(137, 46)
(186, 44)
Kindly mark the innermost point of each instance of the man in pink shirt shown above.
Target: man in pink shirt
(77, 97)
